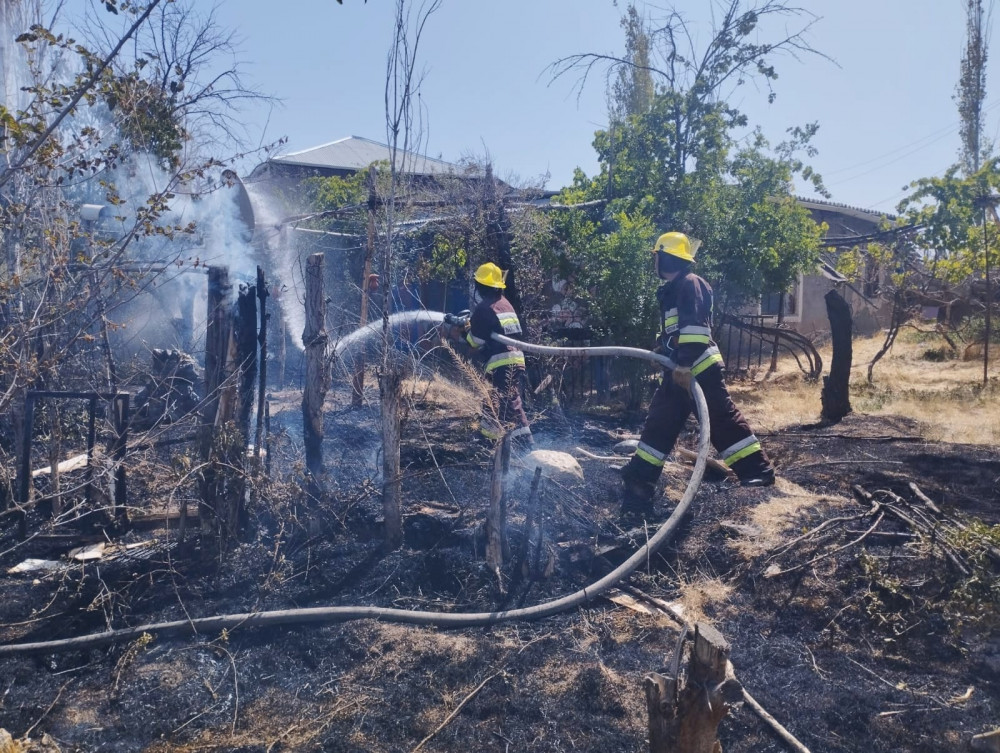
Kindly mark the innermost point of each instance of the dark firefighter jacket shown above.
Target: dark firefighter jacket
(489, 317)
(686, 323)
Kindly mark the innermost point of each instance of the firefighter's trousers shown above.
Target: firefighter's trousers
(731, 434)
(506, 413)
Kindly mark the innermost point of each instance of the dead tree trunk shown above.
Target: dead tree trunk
(685, 711)
(314, 340)
(358, 380)
(390, 391)
(836, 397)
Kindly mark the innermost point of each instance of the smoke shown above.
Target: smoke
(274, 237)
(16, 17)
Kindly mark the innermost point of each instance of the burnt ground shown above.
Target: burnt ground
(871, 648)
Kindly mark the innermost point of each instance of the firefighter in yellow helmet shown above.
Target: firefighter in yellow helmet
(686, 339)
(503, 364)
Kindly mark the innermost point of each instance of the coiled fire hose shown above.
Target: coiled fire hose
(330, 615)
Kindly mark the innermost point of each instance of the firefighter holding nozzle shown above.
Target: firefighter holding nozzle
(503, 364)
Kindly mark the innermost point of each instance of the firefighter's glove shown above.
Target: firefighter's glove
(682, 378)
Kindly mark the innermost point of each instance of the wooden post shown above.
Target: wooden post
(314, 340)
(91, 443)
(262, 370)
(836, 397)
(685, 711)
(120, 408)
(25, 485)
(521, 561)
(246, 359)
(55, 456)
(217, 339)
(390, 393)
(496, 519)
(358, 380)
(267, 438)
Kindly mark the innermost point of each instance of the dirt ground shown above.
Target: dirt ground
(877, 645)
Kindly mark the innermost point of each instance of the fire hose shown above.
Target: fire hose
(331, 615)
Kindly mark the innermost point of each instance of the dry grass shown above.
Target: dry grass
(703, 598)
(440, 395)
(780, 517)
(946, 397)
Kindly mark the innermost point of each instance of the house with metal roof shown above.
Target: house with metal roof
(803, 308)
(348, 156)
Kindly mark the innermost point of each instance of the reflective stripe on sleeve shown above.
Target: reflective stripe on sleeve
(670, 320)
(510, 358)
(708, 358)
(510, 323)
(700, 339)
(474, 341)
(694, 334)
(650, 454)
(740, 450)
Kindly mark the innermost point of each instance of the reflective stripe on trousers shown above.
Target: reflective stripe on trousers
(740, 450)
(510, 358)
(650, 454)
(709, 357)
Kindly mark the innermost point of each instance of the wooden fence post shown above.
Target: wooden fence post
(496, 518)
(217, 339)
(358, 379)
(262, 370)
(391, 393)
(246, 359)
(120, 410)
(314, 339)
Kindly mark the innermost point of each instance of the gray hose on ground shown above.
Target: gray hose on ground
(329, 615)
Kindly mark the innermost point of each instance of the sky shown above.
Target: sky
(883, 95)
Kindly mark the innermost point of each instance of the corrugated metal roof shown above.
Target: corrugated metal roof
(356, 153)
(846, 209)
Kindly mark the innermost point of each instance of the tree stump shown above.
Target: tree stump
(836, 396)
(685, 709)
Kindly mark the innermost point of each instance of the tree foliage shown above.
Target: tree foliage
(678, 164)
(971, 91)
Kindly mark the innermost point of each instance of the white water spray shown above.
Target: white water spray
(374, 329)
(274, 237)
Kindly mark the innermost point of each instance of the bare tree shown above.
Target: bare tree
(402, 114)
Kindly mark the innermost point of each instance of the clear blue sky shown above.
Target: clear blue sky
(885, 108)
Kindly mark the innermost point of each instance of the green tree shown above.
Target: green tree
(678, 164)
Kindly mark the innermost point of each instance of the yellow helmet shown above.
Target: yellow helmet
(490, 275)
(676, 244)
